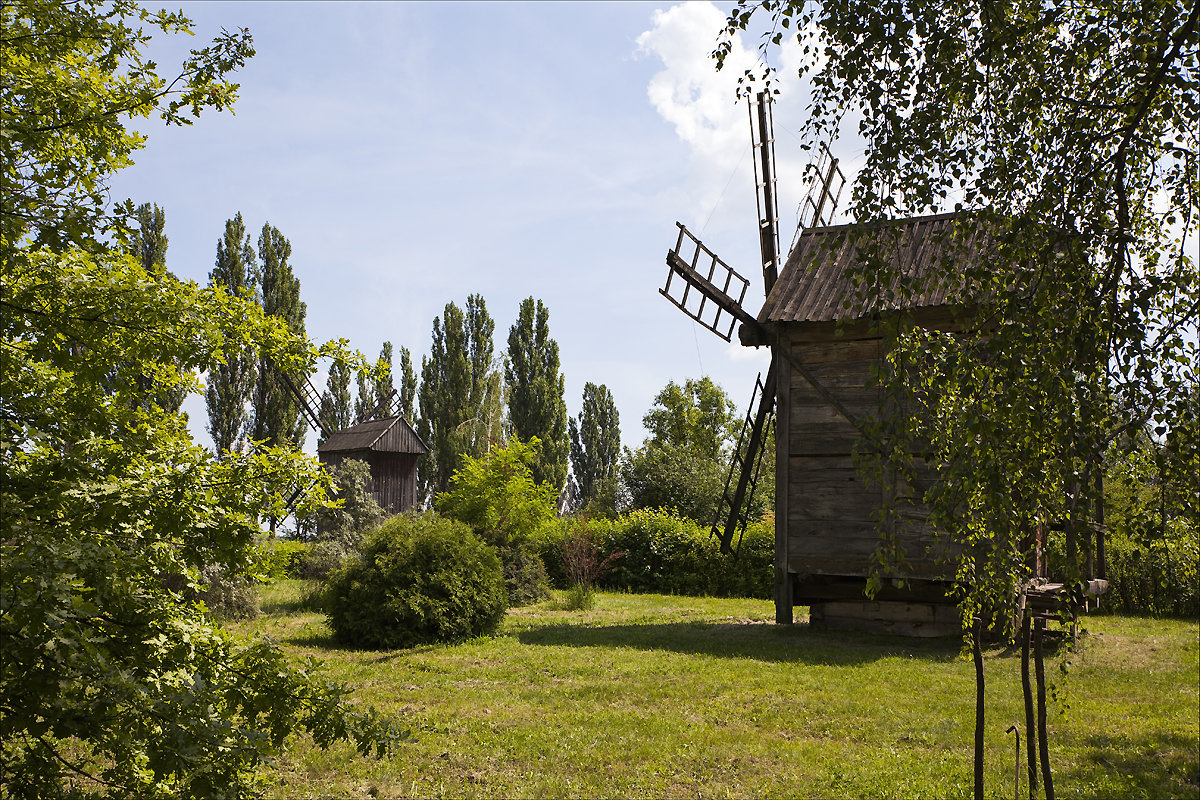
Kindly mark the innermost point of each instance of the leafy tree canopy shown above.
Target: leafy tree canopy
(113, 680)
(497, 495)
(536, 406)
(1067, 134)
(682, 466)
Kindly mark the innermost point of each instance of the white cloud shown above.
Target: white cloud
(698, 101)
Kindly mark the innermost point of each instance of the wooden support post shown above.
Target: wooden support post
(784, 614)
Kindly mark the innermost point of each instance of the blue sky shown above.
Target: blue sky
(417, 153)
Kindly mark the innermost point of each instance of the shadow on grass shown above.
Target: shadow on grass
(1147, 765)
(762, 642)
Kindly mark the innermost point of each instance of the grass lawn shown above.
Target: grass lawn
(664, 696)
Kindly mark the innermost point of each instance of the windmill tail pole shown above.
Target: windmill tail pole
(1017, 771)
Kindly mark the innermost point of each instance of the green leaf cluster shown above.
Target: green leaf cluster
(1067, 137)
(419, 579)
(497, 495)
(113, 679)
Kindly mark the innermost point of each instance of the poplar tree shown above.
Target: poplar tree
(595, 442)
(231, 381)
(382, 382)
(445, 382)
(148, 244)
(277, 416)
(335, 400)
(461, 393)
(362, 399)
(535, 402)
(408, 384)
(486, 398)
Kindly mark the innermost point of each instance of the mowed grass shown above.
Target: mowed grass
(664, 696)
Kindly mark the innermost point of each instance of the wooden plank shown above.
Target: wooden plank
(844, 501)
(815, 354)
(838, 375)
(783, 581)
(860, 567)
(896, 618)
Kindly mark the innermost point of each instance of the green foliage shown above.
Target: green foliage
(102, 502)
(356, 511)
(1160, 577)
(497, 496)
(277, 416)
(662, 552)
(671, 477)
(525, 576)
(111, 679)
(408, 385)
(1081, 199)
(72, 71)
(1153, 541)
(536, 407)
(148, 243)
(232, 378)
(665, 553)
(374, 385)
(697, 417)
(419, 579)
(335, 400)
(596, 446)
(461, 396)
(682, 465)
(341, 527)
(278, 559)
(228, 594)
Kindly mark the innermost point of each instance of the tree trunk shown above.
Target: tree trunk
(1043, 747)
(1027, 690)
(977, 651)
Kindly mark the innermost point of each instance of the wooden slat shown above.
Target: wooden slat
(896, 618)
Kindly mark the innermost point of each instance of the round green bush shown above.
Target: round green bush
(418, 580)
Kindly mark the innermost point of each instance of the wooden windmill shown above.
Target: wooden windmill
(309, 400)
(714, 294)
(821, 391)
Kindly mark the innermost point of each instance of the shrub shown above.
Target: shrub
(418, 579)
(584, 562)
(547, 543)
(666, 553)
(340, 529)
(497, 496)
(1159, 577)
(525, 575)
(323, 558)
(281, 558)
(229, 595)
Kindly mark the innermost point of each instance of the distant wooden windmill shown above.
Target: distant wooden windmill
(386, 442)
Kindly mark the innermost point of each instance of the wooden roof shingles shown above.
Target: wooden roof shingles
(816, 281)
(387, 435)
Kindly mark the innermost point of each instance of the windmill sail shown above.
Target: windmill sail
(704, 287)
(733, 512)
